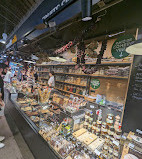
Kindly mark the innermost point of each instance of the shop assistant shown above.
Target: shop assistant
(51, 81)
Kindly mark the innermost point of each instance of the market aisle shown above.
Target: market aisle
(11, 149)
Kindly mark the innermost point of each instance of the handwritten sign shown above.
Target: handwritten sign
(133, 107)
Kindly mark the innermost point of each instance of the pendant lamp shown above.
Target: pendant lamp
(58, 59)
(136, 48)
(86, 6)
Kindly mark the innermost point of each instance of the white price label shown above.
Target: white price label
(116, 143)
(124, 137)
(97, 152)
(131, 145)
(92, 106)
(76, 121)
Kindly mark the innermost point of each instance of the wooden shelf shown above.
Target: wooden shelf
(71, 83)
(43, 84)
(44, 78)
(113, 77)
(43, 71)
(70, 92)
(99, 76)
(90, 63)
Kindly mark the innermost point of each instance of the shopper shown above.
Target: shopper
(8, 76)
(51, 81)
(35, 76)
(1, 82)
(1, 102)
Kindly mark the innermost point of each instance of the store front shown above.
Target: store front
(93, 109)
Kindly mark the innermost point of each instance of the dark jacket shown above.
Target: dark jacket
(2, 87)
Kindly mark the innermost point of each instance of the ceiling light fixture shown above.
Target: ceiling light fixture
(86, 6)
(2, 41)
(135, 48)
(111, 35)
(58, 59)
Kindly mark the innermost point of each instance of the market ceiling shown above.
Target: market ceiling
(12, 13)
(122, 16)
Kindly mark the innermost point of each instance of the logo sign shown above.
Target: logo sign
(14, 39)
(119, 47)
(95, 83)
(57, 8)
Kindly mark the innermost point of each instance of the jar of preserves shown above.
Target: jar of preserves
(111, 131)
(110, 116)
(109, 122)
(107, 139)
(117, 134)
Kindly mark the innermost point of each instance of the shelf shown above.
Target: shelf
(99, 76)
(71, 83)
(107, 106)
(70, 92)
(44, 78)
(43, 71)
(90, 63)
(43, 84)
(113, 77)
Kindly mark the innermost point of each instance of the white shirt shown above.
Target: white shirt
(8, 76)
(2, 109)
(51, 81)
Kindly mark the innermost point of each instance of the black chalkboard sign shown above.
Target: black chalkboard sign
(132, 119)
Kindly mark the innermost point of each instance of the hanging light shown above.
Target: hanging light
(58, 59)
(86, 6)
(135, 48)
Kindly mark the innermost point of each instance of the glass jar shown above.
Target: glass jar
(111, 131)
(89, 128)
(110, 116)
(93, 129)
(107, 139)
(109, 122)
(98, 130)
(95, 124)
(117, 134)
(90, 120)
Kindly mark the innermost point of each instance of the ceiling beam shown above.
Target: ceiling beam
(10, 12)
(14, 24)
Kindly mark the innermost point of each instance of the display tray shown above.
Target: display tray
(38, 146)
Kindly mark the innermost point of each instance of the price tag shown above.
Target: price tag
(92, 106)
(97, 152)
(76, 121)
(116, 143)
(131, 145)
(124, 137)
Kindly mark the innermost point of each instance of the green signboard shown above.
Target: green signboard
(95, 83)
(118, 49)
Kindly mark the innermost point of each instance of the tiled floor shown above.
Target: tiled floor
(11, 149)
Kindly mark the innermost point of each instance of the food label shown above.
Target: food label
(131, 145)
(97, 152)
(92, 106)
(116, 143)
(124, 137)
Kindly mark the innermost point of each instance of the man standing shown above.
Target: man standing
(8, 76)
(2, 103)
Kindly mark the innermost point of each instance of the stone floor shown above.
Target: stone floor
(15, 146)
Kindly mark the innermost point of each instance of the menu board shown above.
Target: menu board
(132, 119)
